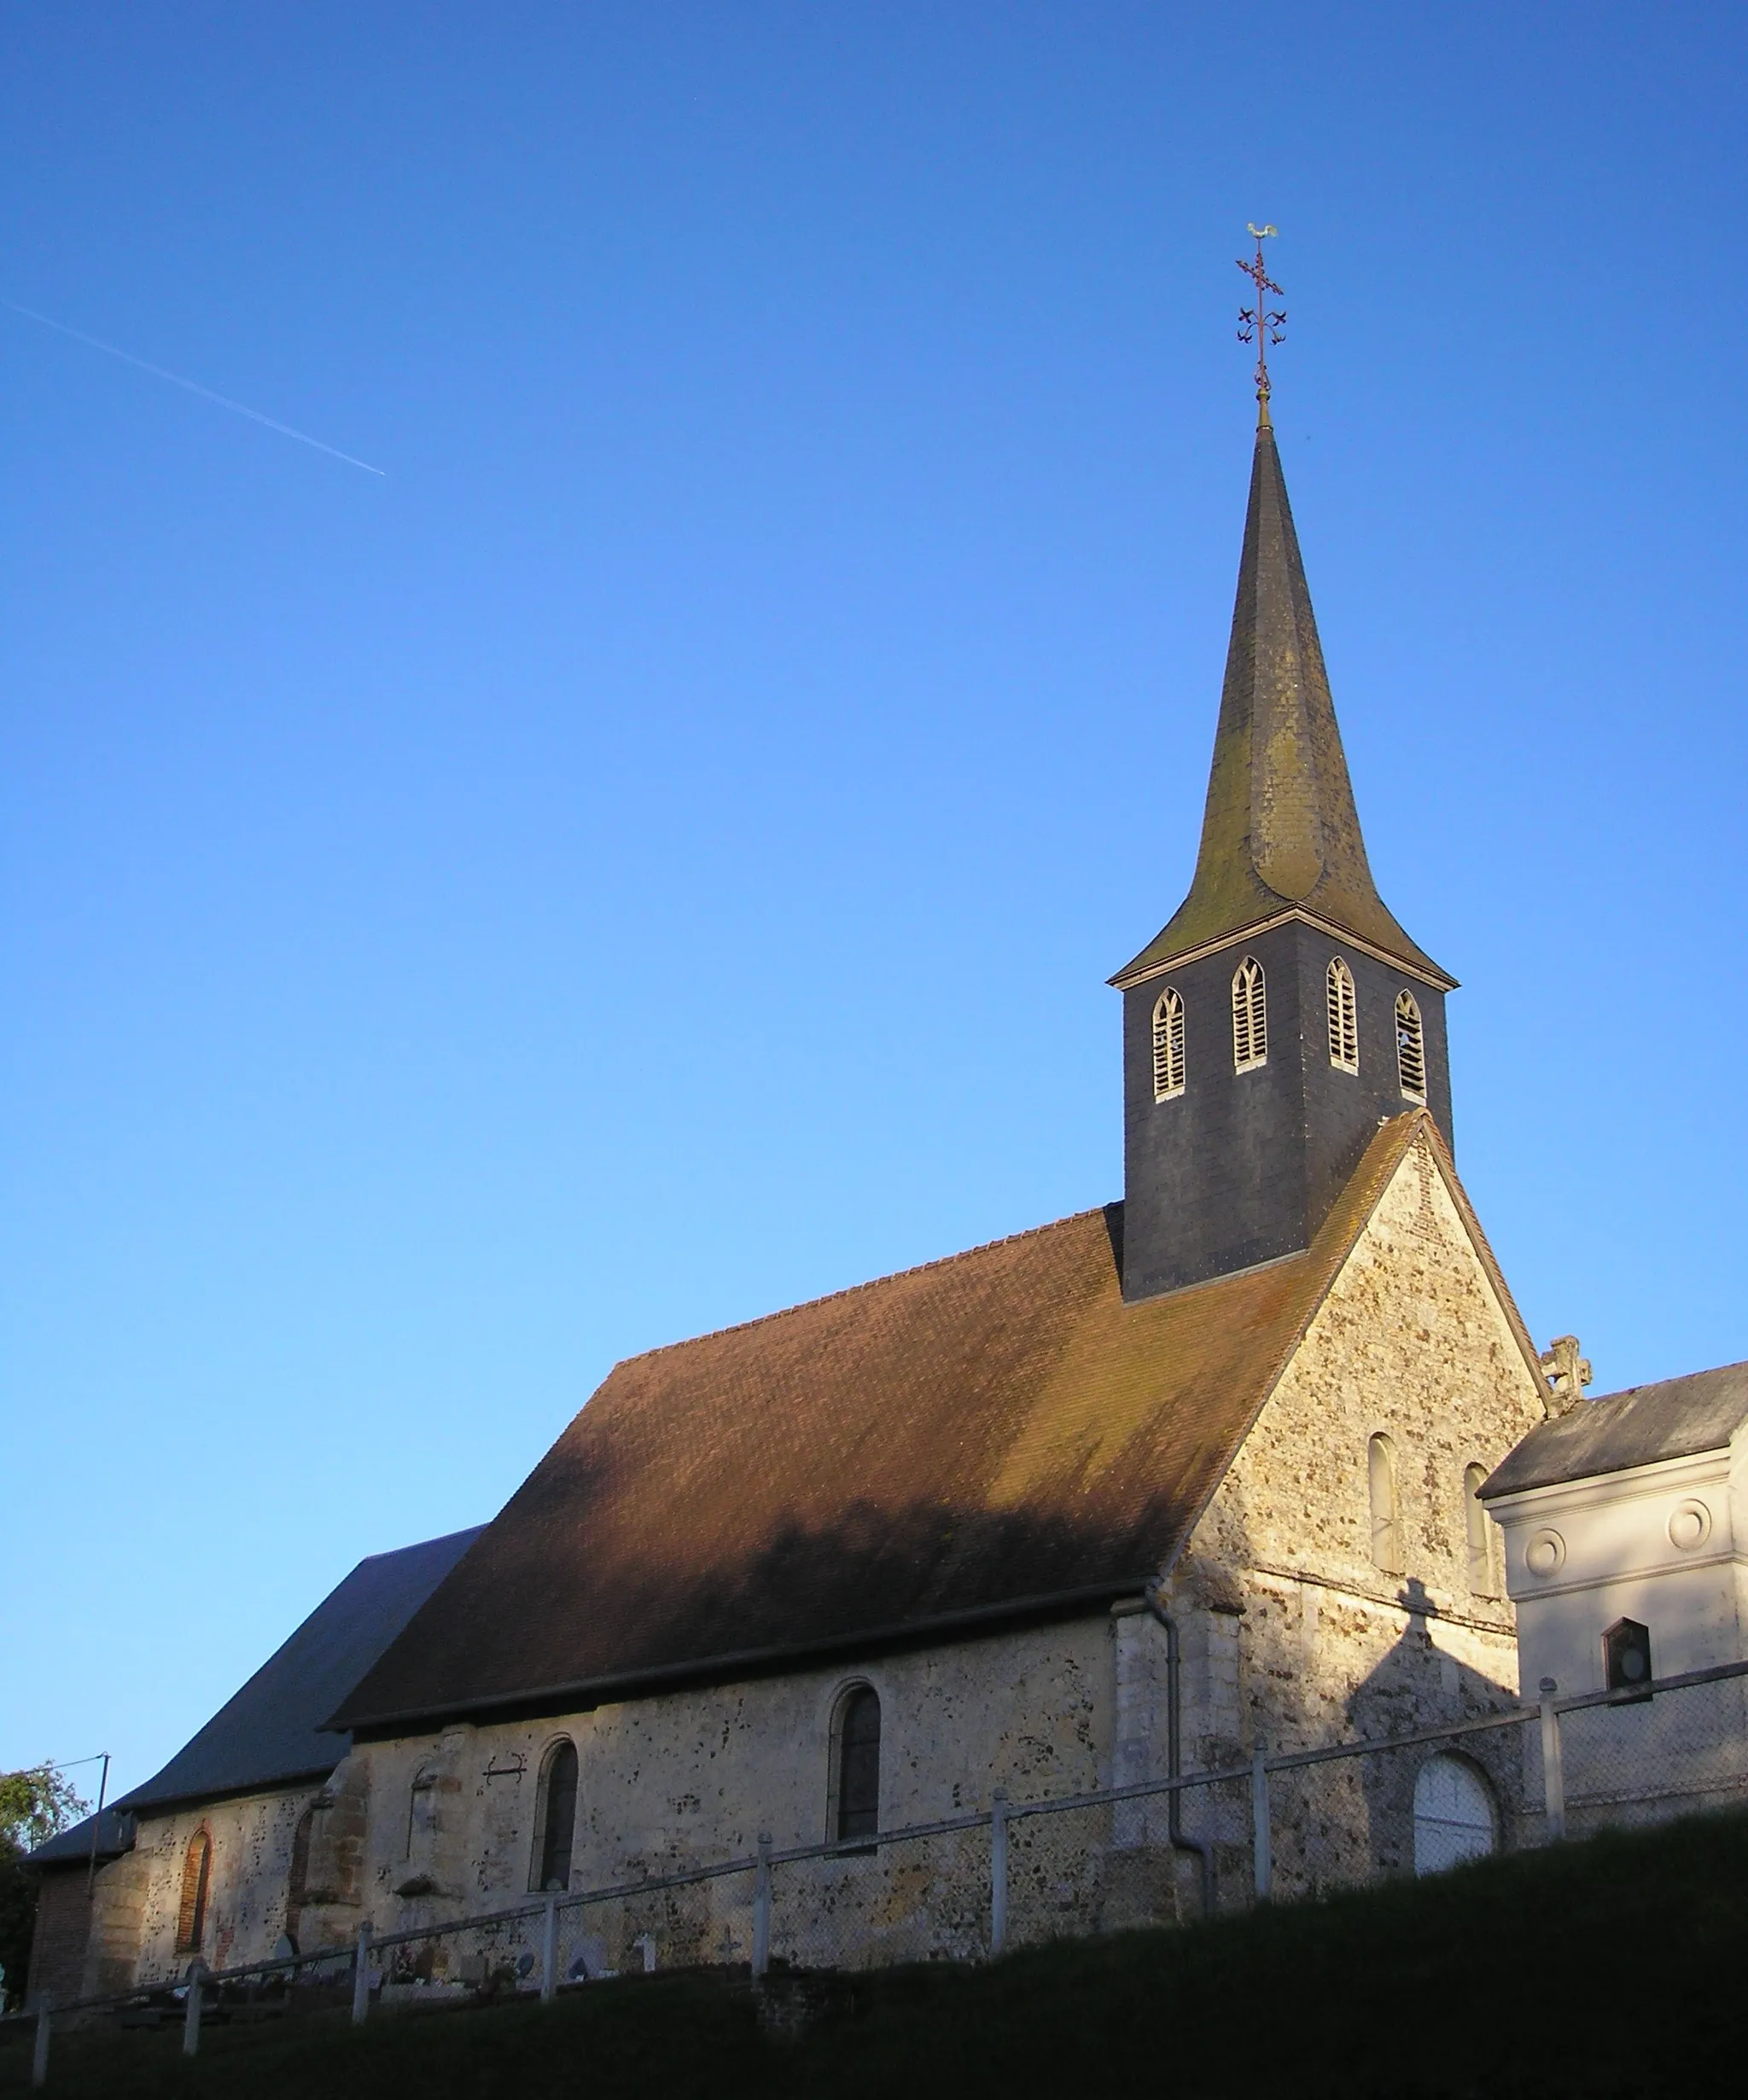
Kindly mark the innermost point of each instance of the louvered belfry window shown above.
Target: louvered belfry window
(197, 1872)
(1167, 1046)
(1343, 1018)
(1250, 1016)
(1411, 1048)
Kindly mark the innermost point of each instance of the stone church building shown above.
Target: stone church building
(1119, 1494)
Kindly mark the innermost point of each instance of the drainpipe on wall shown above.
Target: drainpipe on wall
(1174, 1752)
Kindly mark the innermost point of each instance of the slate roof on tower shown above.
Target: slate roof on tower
(994, 1435)
(1280, 831)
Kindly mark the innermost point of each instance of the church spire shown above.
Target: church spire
(1280, 833)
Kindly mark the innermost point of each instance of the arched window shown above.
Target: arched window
(1381, 1487)
(554, 1817)
(856, 1764)
(1343, 1018)
(1454, 1818)
(1411, 1048)
(1167, 1046)
(298, 1881)
(422, 1813)
(197, 1873)
(1250, 1016)
(1483, 1580)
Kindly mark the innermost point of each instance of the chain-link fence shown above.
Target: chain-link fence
(1295, 1823)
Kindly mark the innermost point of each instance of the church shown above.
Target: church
(1117, 1496)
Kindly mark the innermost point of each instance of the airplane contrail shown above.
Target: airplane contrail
(193, 386)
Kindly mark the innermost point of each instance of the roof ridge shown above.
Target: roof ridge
(872, 1283)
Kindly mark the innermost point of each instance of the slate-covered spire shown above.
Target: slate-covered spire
(1281, 832)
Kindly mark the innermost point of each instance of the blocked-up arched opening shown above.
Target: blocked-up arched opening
(422, 1814)
(298, 1881)
(1386, 1517)
(1483, 1560)
(1453, 1814)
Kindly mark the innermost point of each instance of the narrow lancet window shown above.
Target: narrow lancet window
(1167, 1046)
(1386, 1522)
(421, 1814)
(1482, 1582)
(858, 1807)
(1250, 1016)
(1344, 1019)
(196, 1874)
(556, 1829)
(1411, 1048)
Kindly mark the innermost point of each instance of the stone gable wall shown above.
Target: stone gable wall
(1291, 1631)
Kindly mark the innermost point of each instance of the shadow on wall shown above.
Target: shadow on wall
(1415, 1810)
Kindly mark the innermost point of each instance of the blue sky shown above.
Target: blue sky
(653, 854)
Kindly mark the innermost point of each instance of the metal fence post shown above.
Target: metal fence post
(1262, 1854)
(1554, 1776)
(191, 2007)
(761, 1908)
(997, 1874)
(361, 1976)
(549, 1950)
(39, 2055)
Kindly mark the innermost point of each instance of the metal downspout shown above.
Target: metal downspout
(1174, 1754)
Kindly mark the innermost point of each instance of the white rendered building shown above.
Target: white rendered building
(1625, 1531)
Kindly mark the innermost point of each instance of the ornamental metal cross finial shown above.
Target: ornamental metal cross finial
(1261, 324)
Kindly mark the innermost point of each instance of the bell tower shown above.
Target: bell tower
(1282, 1013)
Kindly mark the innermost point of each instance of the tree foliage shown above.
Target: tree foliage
(34, 1804)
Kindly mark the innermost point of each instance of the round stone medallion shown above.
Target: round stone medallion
(1690, 1525)
(1545, 1553)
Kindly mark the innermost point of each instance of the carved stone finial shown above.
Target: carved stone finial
(1568, 1372)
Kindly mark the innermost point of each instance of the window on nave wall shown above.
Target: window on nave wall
(555, 1817)
(196, 1876)
(856, 1764)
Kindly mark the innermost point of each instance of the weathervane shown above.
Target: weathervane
(1261, 324)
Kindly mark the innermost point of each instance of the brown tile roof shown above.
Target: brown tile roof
(964, 1441)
